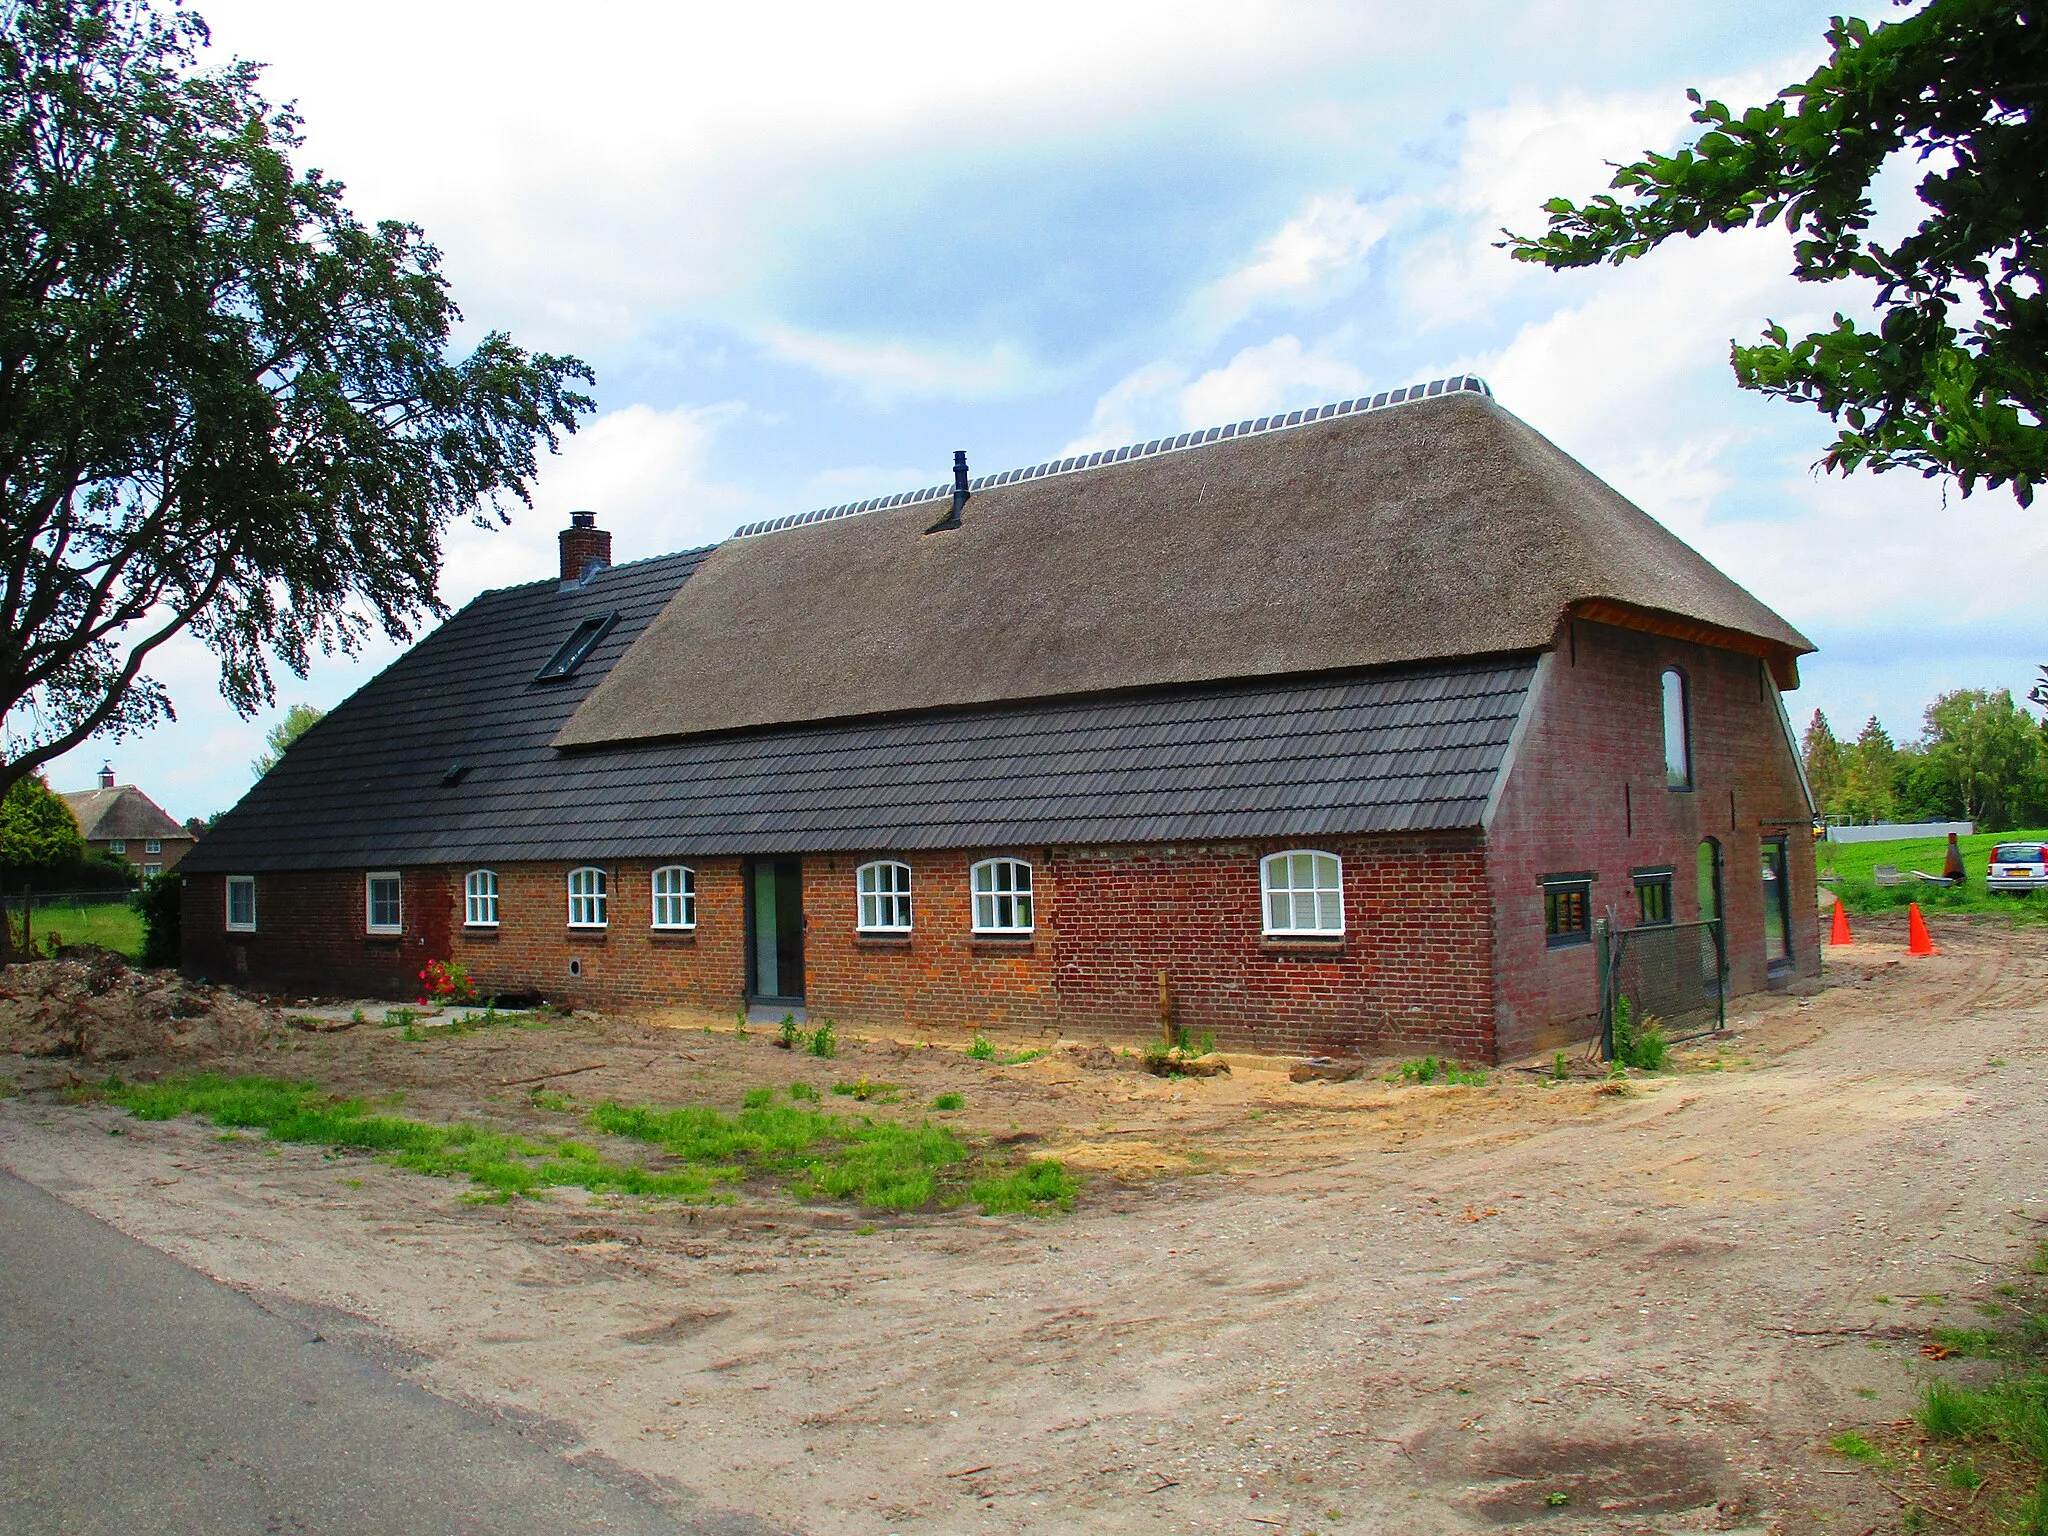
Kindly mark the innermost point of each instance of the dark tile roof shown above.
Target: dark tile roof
(1405, 749)
(366, 782)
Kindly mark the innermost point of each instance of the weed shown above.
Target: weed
(1994, 1061)
(1912, 1518)
(865, 1229)
(1969, 1343)
(359, 1017)
(824, 1041)
(1963, 1474)
(1866, 1391)
(1038, 1188)
(1882, 1301)
(981, 1050)
(1559, 1068)
(759, 1098)
(353, 1183)
(1852, 1445)
(544, 1098)
(500, 1166)
(401, 1018)
(1018, 1058)
(8, 1089)
(804, 1092)
(1557, 1499)
(947, 1102)
(863, 1090)
(1990, 1309)
(1638, 1043)
(787, 1034)
(739, 1024)
(1429, 1069)
(2038, 1264)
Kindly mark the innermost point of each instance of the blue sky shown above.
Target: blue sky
(810, 250)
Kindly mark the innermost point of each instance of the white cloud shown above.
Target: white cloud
(1135, 407)
(1307, 259)
(1279, 375)
(886, 371)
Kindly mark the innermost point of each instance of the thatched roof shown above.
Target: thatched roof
(1439, 528)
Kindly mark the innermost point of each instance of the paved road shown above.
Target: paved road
(137, 1396)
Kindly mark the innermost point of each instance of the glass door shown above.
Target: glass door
(1712, 940)
(775, 930)
(1777, 903)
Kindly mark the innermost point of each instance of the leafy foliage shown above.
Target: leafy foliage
(1638, 1041)
(225, 403)
(1980, 757)
(1952, 378)
(38, 834)
(161, 901)
(298, 720)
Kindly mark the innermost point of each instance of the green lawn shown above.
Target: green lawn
(1851, 865)
(111, 923)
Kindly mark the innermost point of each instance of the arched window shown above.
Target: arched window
(1677, 731)
(884, 888)
(1002, 896)
(586, 897)
(480, 899)
(1304, 892)
(675, 897)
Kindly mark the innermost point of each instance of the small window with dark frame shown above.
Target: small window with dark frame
(1567, 911)
(1653, 897)
(570, 655)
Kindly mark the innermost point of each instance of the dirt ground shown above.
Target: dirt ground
(1290, 1307)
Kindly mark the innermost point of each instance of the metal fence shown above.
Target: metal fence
(1674, 973)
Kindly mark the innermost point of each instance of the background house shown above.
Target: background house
(120, 819)
(1335, 730)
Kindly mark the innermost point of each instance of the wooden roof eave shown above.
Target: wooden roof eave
(1782, 659)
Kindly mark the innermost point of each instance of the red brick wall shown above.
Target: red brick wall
(311, 936)
(1410, 973)
(1586, 792)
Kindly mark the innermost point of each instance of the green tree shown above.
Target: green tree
(1869, 769)
(1952, 380)
(38, 837)
(227, 406)
(1983, 751)
(298, 720)
(1822, 755)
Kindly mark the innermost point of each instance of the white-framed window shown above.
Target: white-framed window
(153, 845)
(884, 888)
(1304, 892)
(1677, 731)
(118, 845)
(675, 897)
(383, 904)
(480, 899)
(151, 871)
(241, 903)
(1002, 896)
(586, 897)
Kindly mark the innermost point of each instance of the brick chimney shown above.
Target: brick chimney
(584, 544)
(106, 775)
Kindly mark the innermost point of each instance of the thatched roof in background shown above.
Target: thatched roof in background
(1435, 529)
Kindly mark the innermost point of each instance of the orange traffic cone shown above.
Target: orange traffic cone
(1918, 940)
(1841, 931)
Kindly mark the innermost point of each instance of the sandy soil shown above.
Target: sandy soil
(1300, 1307)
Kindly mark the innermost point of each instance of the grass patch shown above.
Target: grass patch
(110, 924)
(1852, 1445)
(946, 1103)
(981, 1050)
(1037, 1189)
(1970, 1343)
(864, 1091)
(1428, 1069)
(500, 1166)
(1853, 864)
(414, 1025)
(804, 1093)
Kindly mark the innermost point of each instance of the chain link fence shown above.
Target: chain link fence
(1673, 973)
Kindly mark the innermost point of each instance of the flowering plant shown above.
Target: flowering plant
(444, 981)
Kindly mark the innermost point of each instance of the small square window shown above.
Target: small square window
(884, 889)
(1002, 896)
(153, 845)
(151, 871)
(675, 897)
(241, 903)
(384, 909)
(1653, 898)
(1567, 911)
(118, 845)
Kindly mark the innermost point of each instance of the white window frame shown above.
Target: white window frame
(1316, 890)
(118, 845)
(991, 899)
(589, 897)
(152, 845)
(370, 883)
(673, 892)
(882, 891)
(248, 881)
(480, 899)
(151, 871)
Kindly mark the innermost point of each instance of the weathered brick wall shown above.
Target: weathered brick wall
(1410, 973)
(629, 961)
(311, 936)
(1587, 793)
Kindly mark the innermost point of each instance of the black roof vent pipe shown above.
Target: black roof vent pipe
(960, 493)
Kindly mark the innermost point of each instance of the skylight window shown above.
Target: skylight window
(581, 642)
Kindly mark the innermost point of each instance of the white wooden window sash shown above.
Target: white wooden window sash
(1002, 896)
(884, 890)
(1303, 891)
(480, 899)
(587, 897)
(675, 897)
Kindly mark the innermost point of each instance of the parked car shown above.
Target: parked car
(2018, 867)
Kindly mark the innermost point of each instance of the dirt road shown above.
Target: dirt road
(1368, 1307)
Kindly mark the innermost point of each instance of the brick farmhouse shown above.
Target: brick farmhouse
(1336, 729)
(120, 819)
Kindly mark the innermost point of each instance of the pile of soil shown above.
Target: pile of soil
(90, 1003)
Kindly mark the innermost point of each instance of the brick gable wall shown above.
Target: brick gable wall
(1586, 792)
